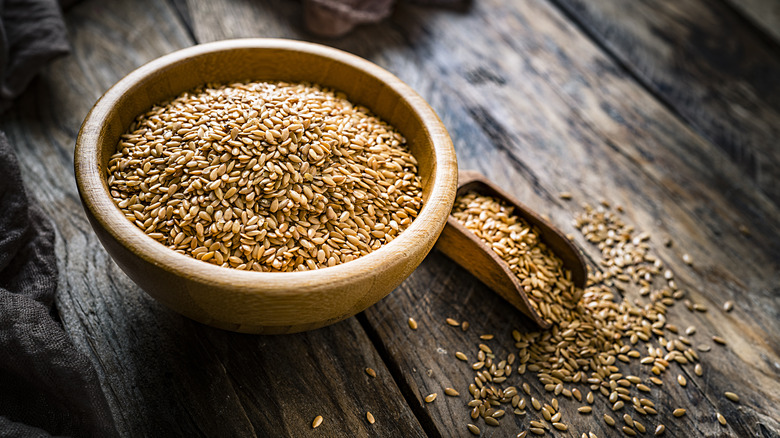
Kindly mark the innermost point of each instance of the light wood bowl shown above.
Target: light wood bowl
(254, 302)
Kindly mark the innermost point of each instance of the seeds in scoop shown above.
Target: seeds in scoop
(317, 421)
(679, 412)
(731, 396)
(461, 356)
(659, 430)
(370, 417)
(473, 429)
(721, 419)
(412, 324)
(452, 322)
(451, 392)
(430, 397)
(371, 372)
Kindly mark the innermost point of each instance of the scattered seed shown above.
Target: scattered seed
(452, 322)
(564, 195)
(698, 370)
(370, 417)
(371, 372)
(522, 434)
(486, 337)
(703, 347)
(721, 419)
(473, 429)
(461, 356)
(628, 420)
(560, 426)
(490, 421)
(412, 324)
(639, 426)
(628, 431)
(317, 421)
(681, 380)
(728, 306)
(451, 392)
(731, 396)
(687, 259)
(430, 397)
(660, 429)
(679, 412)
(609, 420)
(464, 325)
(584, 409)
(537, 430)
(719, 340)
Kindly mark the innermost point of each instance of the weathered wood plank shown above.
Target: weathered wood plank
(707, 65)
(764, 13)
(165, 375)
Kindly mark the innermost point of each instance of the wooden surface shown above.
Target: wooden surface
(541, 96)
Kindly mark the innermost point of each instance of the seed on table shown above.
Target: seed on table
(451, 392)
(452, 322)
(690, 331)
(719, 340)
(490, 421)
(721, 419)
(681, 380)
(565, 196)
(430, 397)
(659, 430)
(703, 347)
(728, 306)
(535, 423)
(656, 380)
(639, 426)
(485, 348)
(464, 325)
(537, 431)
(731, 396)
(317, 421)
(687, 259)
(628, 420)
(679, 412)
(618, 405)
(556, 418)
(371, 372)
(609, 420)
(560, 426)
(584, 409)
(473, 429)
(498, 414)
(522, 434)
(698, 370)
(628, 431)
(589, 397)
(486, 337)
(643, 387)
(412, 324)
(536, 404)
(370, 417)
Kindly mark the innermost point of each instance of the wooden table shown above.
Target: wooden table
(669, 109)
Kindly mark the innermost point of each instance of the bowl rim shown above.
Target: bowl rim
(96, 200)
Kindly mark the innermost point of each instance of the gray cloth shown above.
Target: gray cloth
(32, 33)
(47, 386)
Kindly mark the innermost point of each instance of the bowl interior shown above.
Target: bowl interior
(362, 82)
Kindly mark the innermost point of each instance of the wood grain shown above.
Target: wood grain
(707, 65)
(764, 13)
(165, 375)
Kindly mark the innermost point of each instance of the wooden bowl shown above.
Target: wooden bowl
(255, 302)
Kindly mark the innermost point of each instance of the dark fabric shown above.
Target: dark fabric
(47, 386)
(32, 33)
(335, 18)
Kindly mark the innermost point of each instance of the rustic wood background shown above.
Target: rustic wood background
(670, 109)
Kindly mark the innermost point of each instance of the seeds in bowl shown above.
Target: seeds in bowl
(265, 176)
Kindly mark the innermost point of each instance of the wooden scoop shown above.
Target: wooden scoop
(467, 250)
